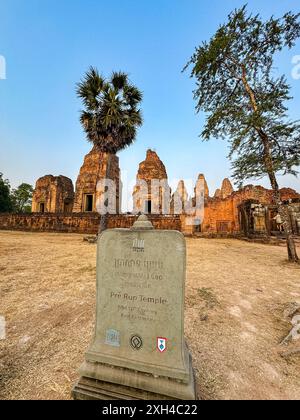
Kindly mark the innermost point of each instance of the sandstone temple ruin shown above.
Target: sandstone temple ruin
(53, 195)
(57, 206)
(148, 198)
(91, 172)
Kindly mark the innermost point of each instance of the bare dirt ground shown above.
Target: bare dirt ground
(235, 298)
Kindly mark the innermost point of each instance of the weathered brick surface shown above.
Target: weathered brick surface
(79, 222)
(92, 171)
(201, 181)
(56, 193)
(226, 189)
(223, 215)
(51, 222)
(152, 168)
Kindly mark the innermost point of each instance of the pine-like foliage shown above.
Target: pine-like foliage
(242, 98)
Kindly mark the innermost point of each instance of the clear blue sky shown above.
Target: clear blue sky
(49, 44)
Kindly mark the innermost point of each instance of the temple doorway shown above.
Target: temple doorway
(68, 206)
(148, 207)
(89, 203)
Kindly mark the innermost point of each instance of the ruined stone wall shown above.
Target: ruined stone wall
(167, 222)
(220, 216)
(50, 222)
(92, 171)
(79, 222)
(223, 214)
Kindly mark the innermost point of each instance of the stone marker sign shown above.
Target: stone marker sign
(139, 350)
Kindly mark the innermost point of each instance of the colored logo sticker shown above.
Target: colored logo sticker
(112, 338)
(161, 344)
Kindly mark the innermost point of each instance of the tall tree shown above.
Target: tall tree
(21, 198)
(5, 198)
(245, 102)
(111, 116)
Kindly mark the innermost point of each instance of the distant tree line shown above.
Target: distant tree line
(16, 200)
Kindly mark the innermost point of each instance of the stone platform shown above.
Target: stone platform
(126, 384)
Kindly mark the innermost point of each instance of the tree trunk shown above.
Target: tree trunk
(291, 247)
(282, 210)
(104, 217)
(287, 226)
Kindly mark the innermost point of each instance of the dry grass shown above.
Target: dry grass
(236, 296)
(235, 324)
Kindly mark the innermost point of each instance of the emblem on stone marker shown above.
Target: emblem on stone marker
(161, 344)
(139, 245)
(112, 338)
(136, 342)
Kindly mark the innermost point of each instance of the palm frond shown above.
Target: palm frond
(132, 94)
(90, 88)
(111, 115)
(119, 80)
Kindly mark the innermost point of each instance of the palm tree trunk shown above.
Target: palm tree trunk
(104, 217)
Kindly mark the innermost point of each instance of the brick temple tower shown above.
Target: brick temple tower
(152, 191)
(53, 194)
(92, 171)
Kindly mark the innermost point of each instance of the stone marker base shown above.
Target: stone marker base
(104, 382)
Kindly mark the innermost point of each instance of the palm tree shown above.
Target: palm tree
(111, 115)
